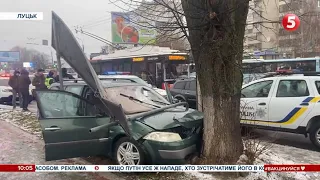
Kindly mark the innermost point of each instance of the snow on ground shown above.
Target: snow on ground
(275, 154)
(25, 120)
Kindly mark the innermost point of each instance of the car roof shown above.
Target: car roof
(106, 84)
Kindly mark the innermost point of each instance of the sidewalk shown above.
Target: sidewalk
(32, 107)
(19, 147)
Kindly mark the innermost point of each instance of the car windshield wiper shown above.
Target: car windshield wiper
(138, 100)
(159, 102)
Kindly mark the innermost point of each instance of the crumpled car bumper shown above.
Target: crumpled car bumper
(172, 152)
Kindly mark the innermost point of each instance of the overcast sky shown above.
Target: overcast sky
(93, 15)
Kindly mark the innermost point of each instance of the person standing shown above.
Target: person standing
(14, 84)
(50, 79)
(39, 80)
(24, 83)
(64, 75)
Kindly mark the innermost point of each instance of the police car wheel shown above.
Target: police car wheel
(128, 152)
(315, 134)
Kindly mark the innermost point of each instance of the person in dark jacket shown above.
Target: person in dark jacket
(24, 83)
(39, 80)
(64, 75)
(14, 84)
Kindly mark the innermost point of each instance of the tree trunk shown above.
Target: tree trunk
(216, 32)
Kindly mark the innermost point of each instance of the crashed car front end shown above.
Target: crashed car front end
(177, 141)
(173, 152)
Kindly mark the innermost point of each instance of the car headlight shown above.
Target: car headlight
(163, 137)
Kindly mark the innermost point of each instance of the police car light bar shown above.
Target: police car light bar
(305, 73)
(116, 73)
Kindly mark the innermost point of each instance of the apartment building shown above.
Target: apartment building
(304, 42)
(260, 34)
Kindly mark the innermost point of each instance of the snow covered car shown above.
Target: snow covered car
(283, 103)
(131, 78)
(128, 121)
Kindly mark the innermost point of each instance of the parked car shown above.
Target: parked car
(185, 90)
(132, 79)
(162, 133)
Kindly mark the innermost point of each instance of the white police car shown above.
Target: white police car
(284, 103)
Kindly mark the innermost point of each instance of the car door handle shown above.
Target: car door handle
(262, 104)
(52, 128)
(187, 93)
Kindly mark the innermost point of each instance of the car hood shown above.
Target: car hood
(162, 92)
(173, 118)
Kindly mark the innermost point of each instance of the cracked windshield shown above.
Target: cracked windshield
(160, 89)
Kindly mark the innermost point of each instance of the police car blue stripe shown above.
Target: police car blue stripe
(292, 113)
(308, 99)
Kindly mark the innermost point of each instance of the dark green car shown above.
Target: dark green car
(129, 122)
(161, 133)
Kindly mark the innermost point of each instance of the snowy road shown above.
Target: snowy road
(288, 139)
(19, 147)
(295, 147)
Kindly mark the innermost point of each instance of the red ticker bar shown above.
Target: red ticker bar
(292, 168)
(17, 168)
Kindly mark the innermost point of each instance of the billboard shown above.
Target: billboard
(9, 56)
(126, 28)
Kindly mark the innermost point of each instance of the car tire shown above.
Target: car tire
(126, 154)
(314, 134)
(180, 99)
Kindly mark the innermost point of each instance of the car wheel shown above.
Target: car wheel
(128, 152)
(315, 134)
(180, 99)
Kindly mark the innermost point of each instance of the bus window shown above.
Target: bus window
(127, 67)
(115, 67)
(96, 68)
(174, 71)
(120, 67)
(137, 68)
(106, 67)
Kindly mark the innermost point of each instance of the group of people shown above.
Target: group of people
(20, 82)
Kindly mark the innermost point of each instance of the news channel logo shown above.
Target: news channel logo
(29, 16)
(291, 22)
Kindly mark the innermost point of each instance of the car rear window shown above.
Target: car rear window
(179, 85)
